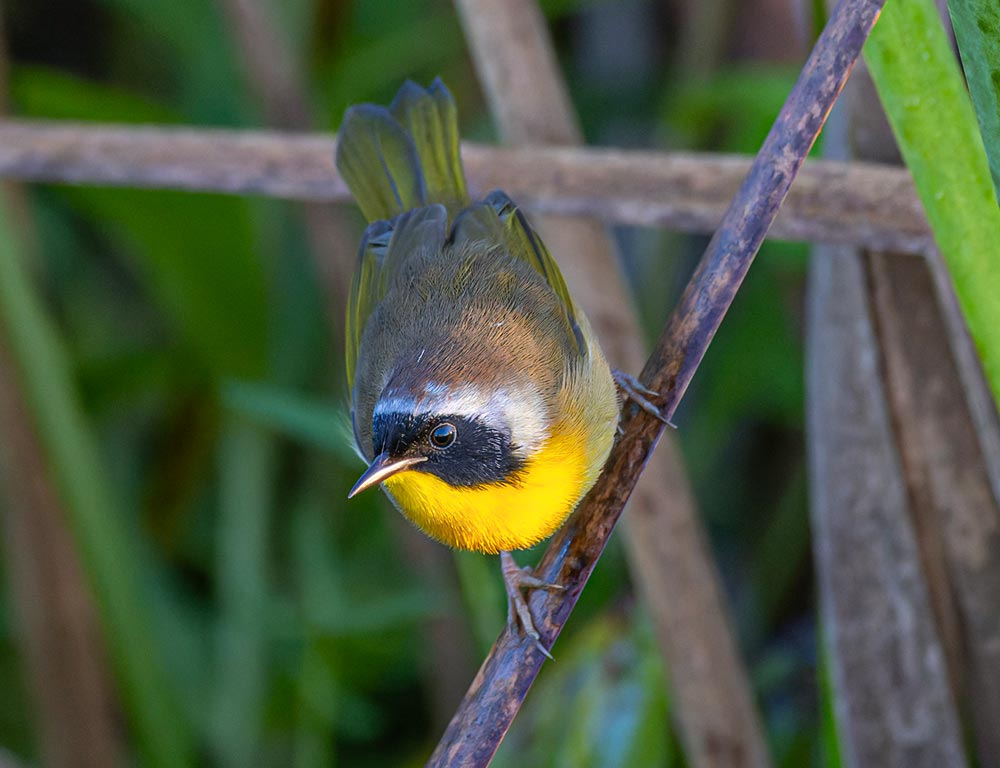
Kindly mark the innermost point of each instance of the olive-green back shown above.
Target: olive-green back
(404, 168)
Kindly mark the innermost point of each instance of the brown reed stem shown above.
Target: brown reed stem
(859, 204)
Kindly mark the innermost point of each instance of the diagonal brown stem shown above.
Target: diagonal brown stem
(504, 679)
(664, 538)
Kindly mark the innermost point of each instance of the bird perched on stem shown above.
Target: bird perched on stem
(479, 394)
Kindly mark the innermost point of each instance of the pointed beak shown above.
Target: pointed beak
(382, 467)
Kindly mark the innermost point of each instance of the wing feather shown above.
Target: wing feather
(498, 220)
(384, 247)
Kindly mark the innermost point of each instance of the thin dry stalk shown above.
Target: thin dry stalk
(280, 88)
(514, 57)
(864, 205)
(267, 62)
(504, 679)
(908, 335)
(67, 674)
(59, 635)
(955, 514)
(893, 702)
(879, 574)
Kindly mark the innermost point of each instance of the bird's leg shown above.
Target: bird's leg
(636, 391)
(515, 580)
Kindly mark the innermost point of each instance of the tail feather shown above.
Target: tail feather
(379, 162)
(403, 157)
(431, 118)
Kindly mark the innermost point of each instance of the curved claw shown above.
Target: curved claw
(516, 579)
(636, 391)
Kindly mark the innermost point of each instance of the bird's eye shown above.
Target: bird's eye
(443, 435)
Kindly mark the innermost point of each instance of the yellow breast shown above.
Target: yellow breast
(499, 516)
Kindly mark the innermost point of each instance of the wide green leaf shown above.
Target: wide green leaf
(318, 424)
(247, 467)
(922, 89)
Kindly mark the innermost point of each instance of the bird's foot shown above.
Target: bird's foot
(515, 580)
(637, 392)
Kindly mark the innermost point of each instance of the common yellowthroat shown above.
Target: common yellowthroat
(479, 394)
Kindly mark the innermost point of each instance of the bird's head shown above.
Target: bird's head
(465, 434)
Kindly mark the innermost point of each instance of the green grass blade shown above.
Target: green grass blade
(247, 459)
(977, 30)
(99, 528)
(922, 89)
(312, 422)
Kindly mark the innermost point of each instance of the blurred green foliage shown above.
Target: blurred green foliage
(290, 627)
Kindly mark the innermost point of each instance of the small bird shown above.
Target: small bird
(479, 395)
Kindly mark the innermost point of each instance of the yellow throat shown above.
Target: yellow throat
(499, 517)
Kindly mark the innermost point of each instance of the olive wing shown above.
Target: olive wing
(498, 220)
(384, 247)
